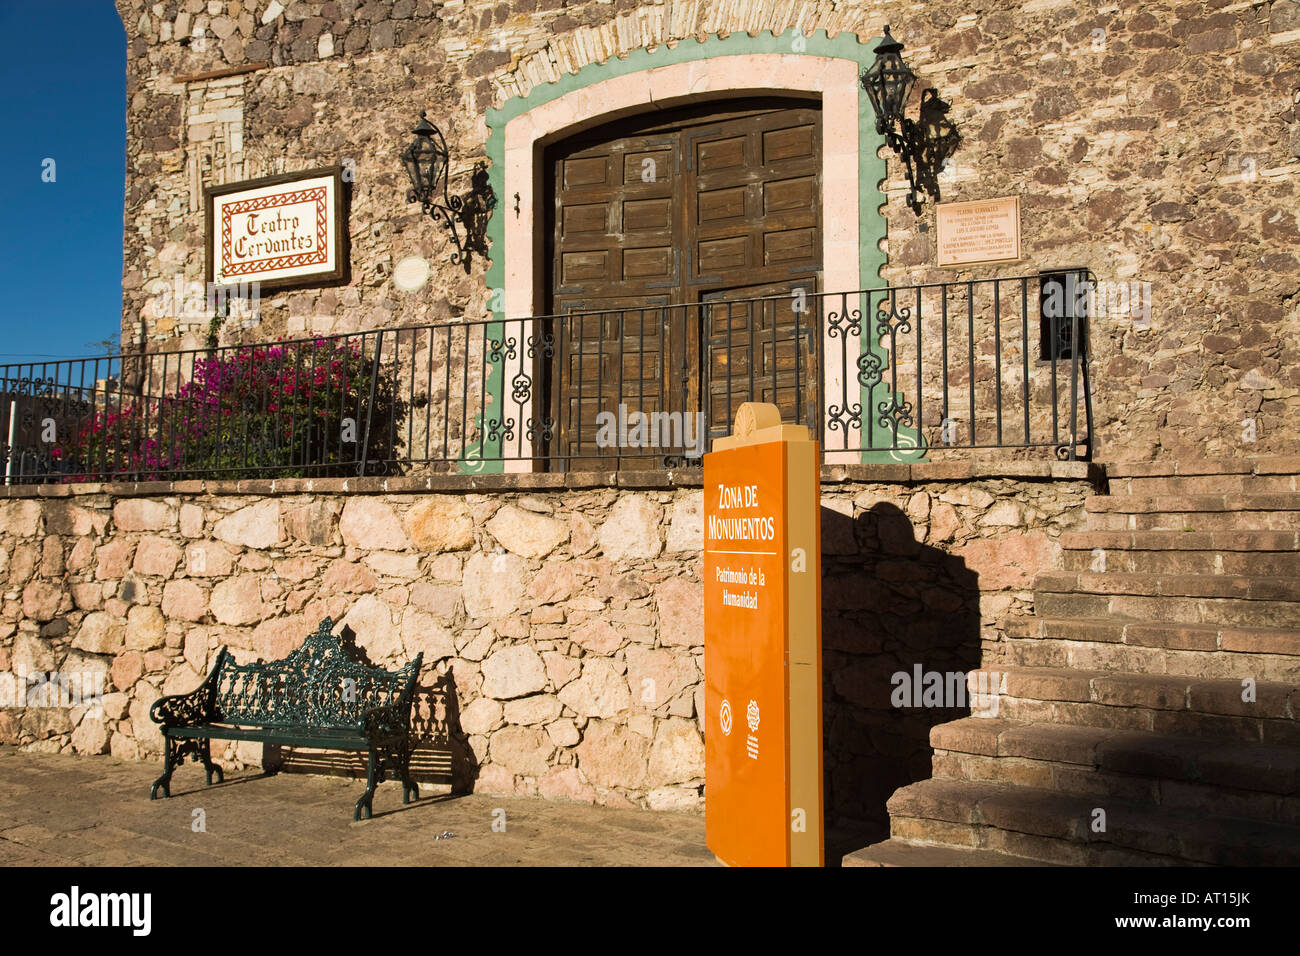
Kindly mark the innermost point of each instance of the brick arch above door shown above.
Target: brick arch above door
(691, 71)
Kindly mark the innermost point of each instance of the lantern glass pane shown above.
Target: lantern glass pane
(872, 83)
(897, 86)
(437, 165)
(412, 171)
(426, 162)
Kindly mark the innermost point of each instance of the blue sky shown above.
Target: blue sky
(62, 97)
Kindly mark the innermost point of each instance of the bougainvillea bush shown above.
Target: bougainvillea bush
(292, 409)
(116, 442)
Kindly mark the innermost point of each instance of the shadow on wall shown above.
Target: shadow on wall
(889, 604)
(442, 754)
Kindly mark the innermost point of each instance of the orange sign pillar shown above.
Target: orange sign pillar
(762, 644)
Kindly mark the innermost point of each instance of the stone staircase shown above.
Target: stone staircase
(1124, 694)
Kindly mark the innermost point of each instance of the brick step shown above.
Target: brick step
(1249, 781)
(1262, 563)
(1249, 484)
(1213, 476)
(1040, 652)
(1211, 541)
(1156, 703)
(1161, 692)
(1193, 650)
(1224, 611)
(894, 852)
(1150, 660)
(1279, 512)
(1057, 827)
(1203, 466)
(1250, 588)
(1148, 504)
(1194, 520)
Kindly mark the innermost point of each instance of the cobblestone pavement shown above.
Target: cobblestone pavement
(63, 810)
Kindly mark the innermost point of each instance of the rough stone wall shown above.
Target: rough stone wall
(1156, 143)
(342, 82)
(562, 630)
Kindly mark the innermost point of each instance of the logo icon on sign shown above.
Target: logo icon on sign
(724, 716)
(751, 718)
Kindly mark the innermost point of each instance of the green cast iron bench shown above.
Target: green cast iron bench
(319, 696)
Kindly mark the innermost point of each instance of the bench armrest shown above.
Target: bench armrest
(392, 721)
(388, 722)
(192, 709)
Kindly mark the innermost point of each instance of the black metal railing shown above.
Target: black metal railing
(291, 408)
(988, 364)
(893, 374)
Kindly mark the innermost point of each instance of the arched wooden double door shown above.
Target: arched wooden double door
(658, 224)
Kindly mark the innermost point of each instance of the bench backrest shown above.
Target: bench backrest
(318, 685)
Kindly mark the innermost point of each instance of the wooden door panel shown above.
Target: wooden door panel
(584, 220)
(761, 351)
(718, 204)
(586, 171)
(578, 267)
(786, 195)
(789, 246)
(613, 355)
(649, 164)
(796, 142)
(755, 186)
(720, 153)
(648, 215)
(654, 262)
(722, 255)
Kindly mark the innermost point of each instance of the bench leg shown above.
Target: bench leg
(410, 789)
(272, 758)
(171, 758)
(205, 754)
(367, 798)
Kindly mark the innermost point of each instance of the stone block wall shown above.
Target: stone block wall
(1156, 143)
(562, 627)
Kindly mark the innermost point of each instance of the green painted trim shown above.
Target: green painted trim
(846, 46)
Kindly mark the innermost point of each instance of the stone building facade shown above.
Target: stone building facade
(1156, 145)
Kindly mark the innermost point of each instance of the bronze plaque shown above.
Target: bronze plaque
(983, 231)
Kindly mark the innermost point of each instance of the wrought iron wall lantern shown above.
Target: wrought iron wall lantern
(426, 160)
(924, 145)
